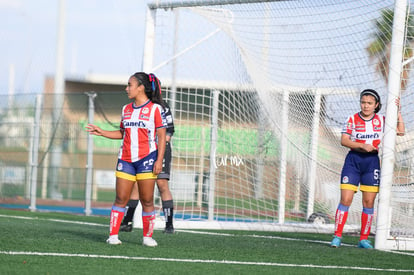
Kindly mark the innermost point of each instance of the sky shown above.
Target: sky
(103, 37)
(107, 37)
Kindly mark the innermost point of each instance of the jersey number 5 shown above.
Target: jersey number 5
(376, 174)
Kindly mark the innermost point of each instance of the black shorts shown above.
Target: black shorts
(166, 163)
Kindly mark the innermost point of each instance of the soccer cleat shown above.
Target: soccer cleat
(169, 229)
(336, 242)
(149, 241)
(113, 240)
(126, 227)
(365, 244)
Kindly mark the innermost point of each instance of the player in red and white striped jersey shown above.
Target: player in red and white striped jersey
(362, 134)
(139, 124)
(143, 134)
(162, 184)
(365, 131)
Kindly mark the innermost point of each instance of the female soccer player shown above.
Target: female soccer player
(143, 134)
(362, 133)
(162, 184)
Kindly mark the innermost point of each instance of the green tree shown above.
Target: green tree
(379, 49)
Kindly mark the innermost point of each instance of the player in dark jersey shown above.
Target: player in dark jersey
(362, 134)
(162, 184)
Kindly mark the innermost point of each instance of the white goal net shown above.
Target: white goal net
(260, 91)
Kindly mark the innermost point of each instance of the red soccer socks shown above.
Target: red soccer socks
(117, 213)
(148, 223)
(340, 219)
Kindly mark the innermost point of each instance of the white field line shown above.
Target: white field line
(197, 260)
(284, 238)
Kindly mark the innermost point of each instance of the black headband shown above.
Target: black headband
(370, 92)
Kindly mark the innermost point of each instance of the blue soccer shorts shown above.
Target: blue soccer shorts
(139, 170)
(361, 169)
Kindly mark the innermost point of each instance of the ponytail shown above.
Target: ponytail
(152, 87)
(156, 95)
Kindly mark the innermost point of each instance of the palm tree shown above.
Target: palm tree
(379, 48)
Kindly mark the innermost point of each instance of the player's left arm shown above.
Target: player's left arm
(161, 138)
(161, 133)
(170, 122)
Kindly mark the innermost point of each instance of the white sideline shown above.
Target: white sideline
(201, 233)
(197, 261)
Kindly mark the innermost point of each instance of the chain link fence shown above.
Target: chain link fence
(45, 145)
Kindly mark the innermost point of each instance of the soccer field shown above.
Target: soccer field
(57, 243)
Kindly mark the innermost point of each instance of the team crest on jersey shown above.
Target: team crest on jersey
(119, 167)
(144, 113)
(345, 179)
(376, 124)
(145, 110)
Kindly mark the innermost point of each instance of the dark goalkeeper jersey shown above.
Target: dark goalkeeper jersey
(169, 119)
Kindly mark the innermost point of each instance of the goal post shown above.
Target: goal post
(260, 91)
(388, 157)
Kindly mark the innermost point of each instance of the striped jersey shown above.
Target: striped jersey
(139, 124)
(365, 131)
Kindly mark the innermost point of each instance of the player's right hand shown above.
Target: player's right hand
(94, 130)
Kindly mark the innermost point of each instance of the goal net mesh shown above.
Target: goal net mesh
(260, 92)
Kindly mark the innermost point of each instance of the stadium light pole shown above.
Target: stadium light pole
(11, 88)
(388, 155)
(56, 151)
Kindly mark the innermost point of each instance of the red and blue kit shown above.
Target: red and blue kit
(365, 131)
(363, 169)
(139, 124)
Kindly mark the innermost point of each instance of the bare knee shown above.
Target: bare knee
(121, 201)
(147, 203)
(368, 203)
(368, 199)
(164, 189)
(123, 191)
(346, 197)
(346, 202)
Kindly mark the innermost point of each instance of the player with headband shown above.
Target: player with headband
(362, 133)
